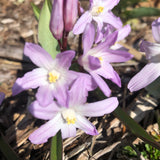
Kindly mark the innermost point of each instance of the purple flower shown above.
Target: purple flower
(99, 12)
(52, 76)
(70, 13)
(69, 114)
(56, 22)
(2, 96)
(151, 71)
(97, 60)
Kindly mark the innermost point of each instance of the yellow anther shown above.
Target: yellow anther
(70, 120)
(69, 116)
(52, 77)
(96, 10)
(100, 58)
(100, 10)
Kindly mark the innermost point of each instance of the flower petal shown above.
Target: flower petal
(123, 32)
(152, 50)
(61, 87)
(146, 76)
(156, 30)
(68, 131)
(32, 79)
(110, 18)
(94, 62)
(82, 22)
(101, 83)
(85, 125)
(109, 41)
(108, 72)
(45, 95)
(84, 83)
(38, 56)
(99, 22)
(99, 108)
(119, 55)
(45, 113)
(61, 95)
(110, 4)
(49, 129)
(65, 58)
(88, 37)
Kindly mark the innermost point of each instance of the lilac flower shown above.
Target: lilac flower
(52, 76)
(2, 96)
(151, 71)
(69, 114)
(99, 12)
(97, 60)
(56, 22)
(70, 13)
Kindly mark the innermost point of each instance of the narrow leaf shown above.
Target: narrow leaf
(36, 10)
(6, 150)
(154, 88)
(142, 12)
(56, 147)
(45, 38)
(135, 127)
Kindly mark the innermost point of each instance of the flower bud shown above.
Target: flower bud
(56, 22)
(70, 14)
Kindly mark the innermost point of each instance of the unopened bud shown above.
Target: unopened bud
(56, 22)
(70, 13)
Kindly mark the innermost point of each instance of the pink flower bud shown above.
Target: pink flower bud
(56, 22)
(70, 14)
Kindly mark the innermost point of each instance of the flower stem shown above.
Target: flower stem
(56, 147)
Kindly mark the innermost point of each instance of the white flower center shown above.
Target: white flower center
(69, 116)
(53, 76)
(96, 10)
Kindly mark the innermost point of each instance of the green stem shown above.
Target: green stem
(56, 147)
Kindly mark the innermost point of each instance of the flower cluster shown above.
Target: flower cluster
(62, 93)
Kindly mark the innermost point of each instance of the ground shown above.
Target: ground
(17, 26)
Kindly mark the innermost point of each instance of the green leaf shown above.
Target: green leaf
(142, 12)
(6, 149)
(135, 127)
(45, 37)
(56, 147)
(154, 88)
(36, 10)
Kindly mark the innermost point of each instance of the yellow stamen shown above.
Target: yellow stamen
(70, 120)
(100, 10)
(69, 116)
(96, 10)
(100, 58)
(52, 77)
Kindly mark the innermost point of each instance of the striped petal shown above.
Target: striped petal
(49, 129)
(99, 108)
(85, 125)
(147, 75)
(38, 56)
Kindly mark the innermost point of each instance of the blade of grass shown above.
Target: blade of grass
(6, 149)
(135, 127)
